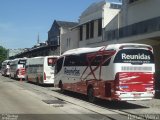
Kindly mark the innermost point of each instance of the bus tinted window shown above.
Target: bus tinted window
(101, 60)
(22, 62)
(76, 60)
(134, 56)
(58, 66)
(82, 60)
(51, 61)
(8, 63)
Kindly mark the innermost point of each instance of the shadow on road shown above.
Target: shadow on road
(118, 105)
(42, 85)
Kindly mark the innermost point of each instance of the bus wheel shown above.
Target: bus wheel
(37, 81)
(90, 94)
(61, 87)
(10, 76)
(27, 79)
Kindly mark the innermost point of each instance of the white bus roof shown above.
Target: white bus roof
(43, 56)
(108, 47)
(19, 59)
(5, 62)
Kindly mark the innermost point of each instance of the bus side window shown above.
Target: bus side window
(59, 64)
(106, 57)
(99, 59)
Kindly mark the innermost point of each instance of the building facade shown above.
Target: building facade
(13, 52)
(93, 20)
(55, 34)
(90, 29)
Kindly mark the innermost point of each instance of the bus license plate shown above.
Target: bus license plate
(136, 94)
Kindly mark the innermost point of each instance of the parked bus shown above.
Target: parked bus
(120, 72)
(41, 69)
(17, 68)
(5, 70)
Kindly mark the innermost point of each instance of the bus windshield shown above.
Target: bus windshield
(22, 62)
(51, 61)
(134, 56)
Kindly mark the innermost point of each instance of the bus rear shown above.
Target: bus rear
(21, 72)
(134, 70)
(5, 70)
(48, 74)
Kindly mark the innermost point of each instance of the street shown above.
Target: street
(20, 100)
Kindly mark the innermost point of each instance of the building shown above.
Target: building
(52, 46)
(93, 20)
(13, 52)
(55, 34)
(89, 31)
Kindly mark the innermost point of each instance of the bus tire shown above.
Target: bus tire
(27, 79)
(14, 76)
(90, 94)
(37, 81)
(10, 76)
(60, 85)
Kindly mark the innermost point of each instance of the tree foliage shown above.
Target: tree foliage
(3, 54)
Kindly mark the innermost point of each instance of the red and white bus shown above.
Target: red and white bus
(115, 72)
(5, 70)
(17, 68)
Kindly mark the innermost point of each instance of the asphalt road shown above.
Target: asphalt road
(25, 101)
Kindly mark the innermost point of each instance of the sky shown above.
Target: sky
(21, 21)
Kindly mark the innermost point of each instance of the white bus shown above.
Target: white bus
(115, 72)
(17, 68)
(41, 69)
(5, 70)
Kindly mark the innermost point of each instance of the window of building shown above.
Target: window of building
(92, 29)
(131, 1)
(68, 42)
(115, 6)
(59, 64)
(87, 31)
(99, 27)
(81, 33)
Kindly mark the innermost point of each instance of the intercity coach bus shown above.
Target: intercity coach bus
(120, 72)
(40, 70)
(17, 68)
(5, 70)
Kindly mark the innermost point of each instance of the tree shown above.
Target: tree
(3, 54)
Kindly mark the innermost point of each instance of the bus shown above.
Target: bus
(40, 70)
(118, 72)
(5, 70)
(17, 68)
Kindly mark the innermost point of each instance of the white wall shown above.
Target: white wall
(71, 36)
(140, 11)
(108, 15)
(92, 16)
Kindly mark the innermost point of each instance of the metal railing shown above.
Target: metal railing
(143, 27)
